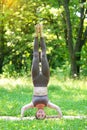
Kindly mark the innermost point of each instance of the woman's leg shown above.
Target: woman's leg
(44, 61)
(35, 62)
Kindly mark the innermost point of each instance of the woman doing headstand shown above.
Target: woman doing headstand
(40, 77)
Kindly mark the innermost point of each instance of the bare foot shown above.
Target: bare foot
(37, 30)
(41, 30)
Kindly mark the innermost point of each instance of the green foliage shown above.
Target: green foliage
(84, 61)
(17, 21)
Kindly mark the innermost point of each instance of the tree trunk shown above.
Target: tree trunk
(70, 40)
(75, 52)
(1, 47)
(2, 39)
(81, 38)
(1, 64)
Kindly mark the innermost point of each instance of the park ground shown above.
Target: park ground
(69, 94)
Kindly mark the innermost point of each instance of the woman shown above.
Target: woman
(40, 77)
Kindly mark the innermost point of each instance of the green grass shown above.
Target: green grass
(70, 95)
(44, 125)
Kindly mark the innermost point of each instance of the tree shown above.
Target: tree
(61, 21)
(75, 46)
(16, 30)
(2, 32)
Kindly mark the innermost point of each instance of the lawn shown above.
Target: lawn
(70, 95)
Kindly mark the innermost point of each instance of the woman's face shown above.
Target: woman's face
(40, 114)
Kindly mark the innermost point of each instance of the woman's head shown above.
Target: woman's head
(40, 114)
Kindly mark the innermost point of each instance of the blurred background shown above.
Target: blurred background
(65, 31)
